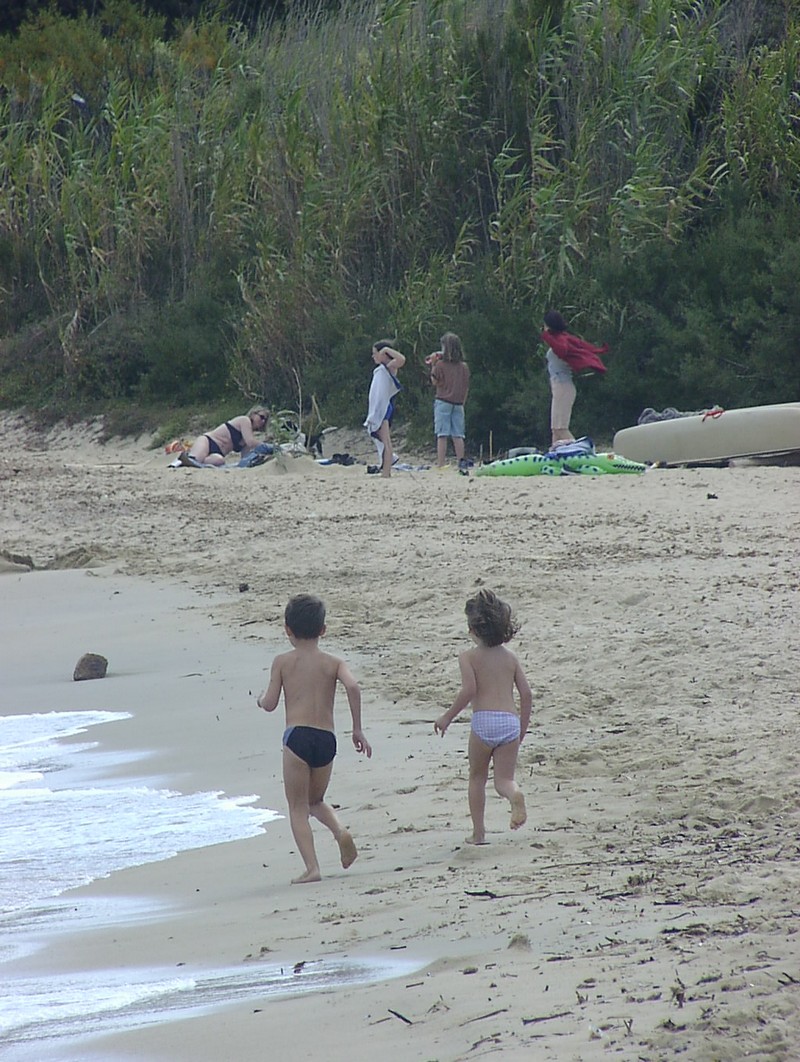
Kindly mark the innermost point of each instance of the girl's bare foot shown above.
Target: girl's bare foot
(347, 848)
(309, 876)
(518, 813)
(475, 840)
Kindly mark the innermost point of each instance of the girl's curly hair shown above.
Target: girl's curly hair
(490, 618)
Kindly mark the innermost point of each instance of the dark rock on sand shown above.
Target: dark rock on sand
(90, 666)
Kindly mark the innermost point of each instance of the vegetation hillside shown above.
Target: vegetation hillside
(207, 213)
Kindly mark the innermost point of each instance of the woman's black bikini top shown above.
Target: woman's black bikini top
(237, 439)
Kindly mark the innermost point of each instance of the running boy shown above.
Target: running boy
(308, 677)
(489, 674)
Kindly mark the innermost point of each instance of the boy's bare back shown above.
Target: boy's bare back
(307, 677)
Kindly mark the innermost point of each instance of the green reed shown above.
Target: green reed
(376, 170)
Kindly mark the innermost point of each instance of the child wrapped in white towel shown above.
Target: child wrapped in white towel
(382, 393)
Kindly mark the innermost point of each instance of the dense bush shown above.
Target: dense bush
(714, 319)
(187, 209)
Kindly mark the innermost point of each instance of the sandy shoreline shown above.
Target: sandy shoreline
(646, 910)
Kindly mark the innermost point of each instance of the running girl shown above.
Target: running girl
(489, 675)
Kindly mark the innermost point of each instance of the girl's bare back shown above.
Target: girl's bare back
(494, 669)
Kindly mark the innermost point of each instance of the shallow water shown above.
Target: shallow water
(70, 816)
(58, 1016)
(59, 831)
(69, 819)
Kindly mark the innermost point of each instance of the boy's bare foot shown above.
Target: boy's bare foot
(347, 848)
(475, 840)
(518, 813)
(309, 876)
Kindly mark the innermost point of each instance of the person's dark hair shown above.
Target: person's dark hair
(451, 347)
(490, 618)
(554, 321)
(381, 344)
(305, 616)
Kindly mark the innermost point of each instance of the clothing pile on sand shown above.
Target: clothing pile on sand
(650, 416)
(565, 448)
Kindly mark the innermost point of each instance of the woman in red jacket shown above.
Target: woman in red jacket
(566, 354)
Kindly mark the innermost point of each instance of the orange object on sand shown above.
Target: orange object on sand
(176, 446)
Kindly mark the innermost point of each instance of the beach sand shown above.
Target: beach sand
(649, 907)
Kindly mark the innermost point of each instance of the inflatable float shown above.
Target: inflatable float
(718, 435)
(551, 464)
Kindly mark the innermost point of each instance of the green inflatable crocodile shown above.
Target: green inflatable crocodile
(552, 465)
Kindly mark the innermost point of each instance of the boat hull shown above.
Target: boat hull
(707, 438)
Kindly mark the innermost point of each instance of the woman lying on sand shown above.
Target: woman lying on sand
(234, 436)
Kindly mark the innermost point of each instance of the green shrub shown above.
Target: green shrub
(226, 210)
(185, 351)
(31, 366)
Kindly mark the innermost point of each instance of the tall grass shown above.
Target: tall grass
(397, 167)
